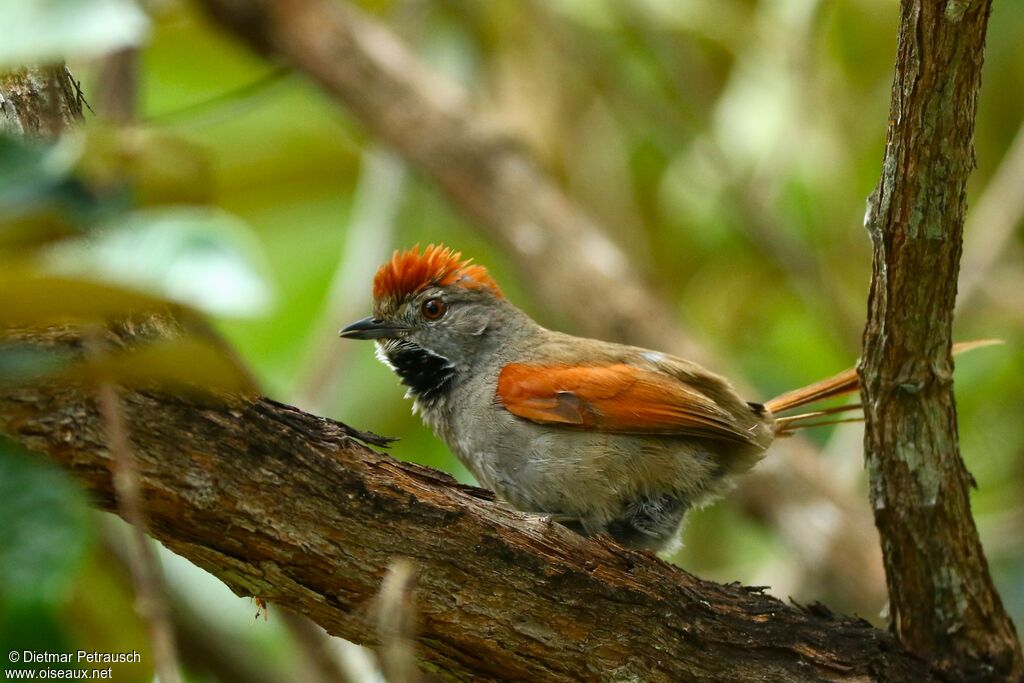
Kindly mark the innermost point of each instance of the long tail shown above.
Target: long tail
(845, 382)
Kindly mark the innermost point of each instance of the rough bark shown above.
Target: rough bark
(39, 101)
(291, 507)
(943, 603)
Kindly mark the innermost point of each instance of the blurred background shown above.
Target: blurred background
(727, 147)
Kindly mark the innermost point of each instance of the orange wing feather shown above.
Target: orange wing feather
(614, 398)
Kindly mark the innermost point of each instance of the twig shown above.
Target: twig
(145, 569)
(204, 648)
(818, 413)
(788, 429)
(377, 200)
(316, 646)
(396, 623)
(117, 86)
(990, 226)
(214, 107)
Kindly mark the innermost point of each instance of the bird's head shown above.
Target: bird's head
(433, 311)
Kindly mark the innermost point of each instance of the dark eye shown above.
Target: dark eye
(433, 309)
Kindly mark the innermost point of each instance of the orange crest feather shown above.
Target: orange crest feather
(409, 272)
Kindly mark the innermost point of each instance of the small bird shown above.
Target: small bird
(602, 437)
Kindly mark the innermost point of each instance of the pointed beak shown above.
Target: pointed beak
(371, 328)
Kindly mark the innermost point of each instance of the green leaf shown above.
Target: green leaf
(44, 532)
(159, 168)
(189, 362)
(47, 31)
(29, 298)
(54, 191)
(40, 199)
(203, 258)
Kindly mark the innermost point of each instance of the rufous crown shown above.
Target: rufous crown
(410, 272)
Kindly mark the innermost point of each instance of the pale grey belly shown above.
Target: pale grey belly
(634, 487)
(543, 468)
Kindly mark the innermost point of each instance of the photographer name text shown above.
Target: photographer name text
(78, 657)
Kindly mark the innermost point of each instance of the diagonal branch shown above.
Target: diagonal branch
(486, 172)
(289, 506)
(943, 603)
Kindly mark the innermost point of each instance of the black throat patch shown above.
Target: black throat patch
(428, 375)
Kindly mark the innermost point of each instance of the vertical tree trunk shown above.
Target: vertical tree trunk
(942, 601)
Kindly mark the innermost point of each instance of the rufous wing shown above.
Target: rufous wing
(614, 398)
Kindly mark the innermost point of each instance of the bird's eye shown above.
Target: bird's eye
(433, 309)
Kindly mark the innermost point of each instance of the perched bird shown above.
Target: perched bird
(603, 437)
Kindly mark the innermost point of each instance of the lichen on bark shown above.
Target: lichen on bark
(943, 604)
(38, 101)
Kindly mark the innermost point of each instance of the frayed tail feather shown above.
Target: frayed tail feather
(845, 382)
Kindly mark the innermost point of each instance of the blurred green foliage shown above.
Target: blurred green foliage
(43, 541)
(45, 31)
(727, 145)
(50, 540)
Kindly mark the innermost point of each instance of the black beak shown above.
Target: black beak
(371, 328)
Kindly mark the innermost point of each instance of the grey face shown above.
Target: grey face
(428, 338)
(451, 322)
